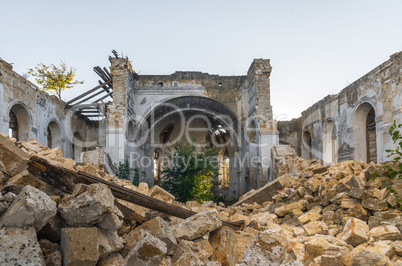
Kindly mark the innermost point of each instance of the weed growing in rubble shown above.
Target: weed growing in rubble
(394, 171)
(191, 174)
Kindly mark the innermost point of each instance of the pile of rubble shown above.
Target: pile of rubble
(311, 215)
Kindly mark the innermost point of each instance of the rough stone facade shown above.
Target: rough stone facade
(353, 124)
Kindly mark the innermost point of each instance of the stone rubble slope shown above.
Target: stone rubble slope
(310, 215)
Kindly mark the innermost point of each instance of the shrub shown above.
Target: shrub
(123, 172)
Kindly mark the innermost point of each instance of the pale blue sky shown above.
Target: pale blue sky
(315, 47)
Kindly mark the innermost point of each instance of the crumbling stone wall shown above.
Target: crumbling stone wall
(36, 109)
(380, 89)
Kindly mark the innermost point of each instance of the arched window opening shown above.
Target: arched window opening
(371, 137)
(225, 168)
(49, 138)
(13, 126)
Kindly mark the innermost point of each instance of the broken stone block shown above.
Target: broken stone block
(355, 232)
(223, 242)
(328, 245)
(308, 217)
(109, 242)
(357, 181)
(349, 203)
(20, 247)
(143, 188)
(148, 251)
(385, 232)
(265, 250)
(370, 257)
(159, 193)
(398, 247)
(187, 259)
(87, 205)
(315, 227)
(356, 193)
(114, 259)
(12, 159)
(132, 239)
(319, 169)
(198, 225)
(79, 246)
(288, 208)
(375, 204)
(113, 220)
(32, 207)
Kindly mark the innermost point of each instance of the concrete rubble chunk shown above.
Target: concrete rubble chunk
(87, 205)
(148, 251)
(79, 246)
(355, 232)
(20, 246)
(32, 207)
(198, 225)
(224, 242)
(12, 159)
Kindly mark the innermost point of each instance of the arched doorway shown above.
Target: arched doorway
(307, 146)
(53, 135)
(365, 137)
(19, 123)
(329, 142)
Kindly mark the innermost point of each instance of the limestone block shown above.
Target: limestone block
(159, 193)
(288, 208)
(113, 220)
(355, 232)
(79, 246)
(265, 250)
(132, 239)
(357, 181)
(114, 259)
(109, 242)
(12, 159)
(349, 203)
(53, 154)
(398, 247)
(198, 225)
(143, 188)
(87, 205)
(224, 242)
(315, 227)
(375, 204)
(370, 257)
(148, 251)
(31, 145)
(189, 259)
(385, 232)
(32, 207)
(308, 217)
(20, 247)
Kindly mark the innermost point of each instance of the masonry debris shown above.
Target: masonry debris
(54, 211)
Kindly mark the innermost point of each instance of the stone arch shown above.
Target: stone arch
(330, 143)
(364, 131)
(21, 121)
(216, 124)
(54, 134)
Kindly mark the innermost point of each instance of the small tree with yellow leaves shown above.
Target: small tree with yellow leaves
(54, 79)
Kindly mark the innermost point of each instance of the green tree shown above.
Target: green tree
(54, 79)
(393, 170)
(123, 172)
(191, 175)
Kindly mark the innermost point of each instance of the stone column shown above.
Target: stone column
(121, 71)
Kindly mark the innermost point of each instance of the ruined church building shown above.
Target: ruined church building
(131, 117)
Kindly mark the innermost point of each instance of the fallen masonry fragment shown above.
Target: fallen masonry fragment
(317, 215)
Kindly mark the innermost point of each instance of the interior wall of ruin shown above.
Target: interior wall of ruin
(346, 112)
